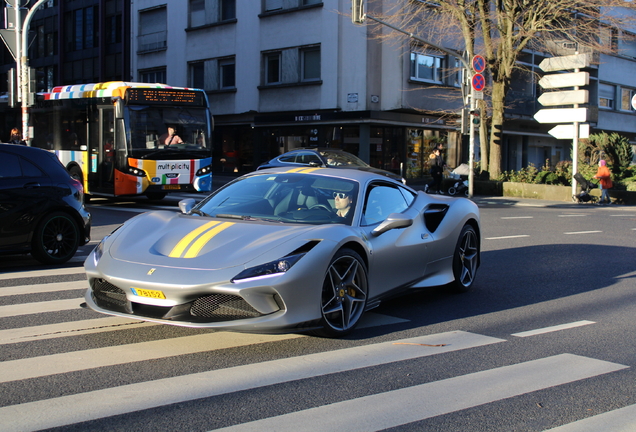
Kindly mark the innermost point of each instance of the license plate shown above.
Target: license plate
(148, 293)
(171, 187)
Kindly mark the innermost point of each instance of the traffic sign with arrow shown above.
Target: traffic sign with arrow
(565, 80)
(576, 61)
(567, 97)
(561, 115)
(566, 131)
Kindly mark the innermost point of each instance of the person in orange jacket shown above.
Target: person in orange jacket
(603, 174)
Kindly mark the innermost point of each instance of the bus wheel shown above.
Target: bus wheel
(76, 173)
(156, 196)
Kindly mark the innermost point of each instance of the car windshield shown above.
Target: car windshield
(336, 158)
(284, 198)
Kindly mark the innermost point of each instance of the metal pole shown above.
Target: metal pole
(575, 145)
(18, 69)
(471, 145)
(24, 69)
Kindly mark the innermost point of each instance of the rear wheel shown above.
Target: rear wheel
(56, 239)
(452, 190)
(344, 294)
(465, 259)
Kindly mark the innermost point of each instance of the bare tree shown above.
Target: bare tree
(501, 30)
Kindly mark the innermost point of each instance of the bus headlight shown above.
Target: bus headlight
(205, 170)
(136, 172)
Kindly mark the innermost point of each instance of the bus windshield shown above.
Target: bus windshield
(160, 132)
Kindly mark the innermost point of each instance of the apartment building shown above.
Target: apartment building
(282, 74)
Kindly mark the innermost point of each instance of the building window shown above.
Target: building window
(153, 33)
(213, 74)
(427, 67)
(227, 74)
(274, 5)
(292, 65)
(153, 76)
(606, 96)
(272, 68)
(310, 64)
(204, 12)
(228, 9)
(626, 99)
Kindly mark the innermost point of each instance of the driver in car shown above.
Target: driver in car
(343, 203)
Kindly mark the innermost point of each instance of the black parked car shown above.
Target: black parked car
(325, 157)
(41, 207)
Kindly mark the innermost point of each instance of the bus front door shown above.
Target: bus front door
(102, 151)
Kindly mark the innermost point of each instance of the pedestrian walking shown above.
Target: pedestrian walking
(605, 181)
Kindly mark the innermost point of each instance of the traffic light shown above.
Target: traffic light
(357, 11)
(475, 116)
(497, 131)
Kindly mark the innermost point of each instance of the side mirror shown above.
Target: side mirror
(394, 221)
(186, 205)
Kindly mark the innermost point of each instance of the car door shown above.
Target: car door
(24, 194)
(399, 256)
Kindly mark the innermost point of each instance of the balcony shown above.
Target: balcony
(152, 42)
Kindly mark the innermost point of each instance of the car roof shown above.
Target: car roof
(47, 160)
(359, 175)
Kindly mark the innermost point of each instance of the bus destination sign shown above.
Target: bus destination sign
(164, 96)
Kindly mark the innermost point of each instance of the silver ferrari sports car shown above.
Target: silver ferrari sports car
(285, 250)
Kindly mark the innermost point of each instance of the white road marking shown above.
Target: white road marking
(553, 328)
(582, 232)
(619, 420)
(35, 367)
(573, 215)
(40, 273)
(518, 217)
(42, 288)
(507, 237)
(71, 328)
(411, 404)
(97, 404)
(40, 307)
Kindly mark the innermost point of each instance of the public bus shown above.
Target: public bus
(113, 136)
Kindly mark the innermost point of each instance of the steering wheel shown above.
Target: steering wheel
(321, 206)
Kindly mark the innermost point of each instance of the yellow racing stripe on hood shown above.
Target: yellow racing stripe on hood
(204, 239)
(185, 241)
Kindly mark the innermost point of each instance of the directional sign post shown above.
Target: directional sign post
(574, 97)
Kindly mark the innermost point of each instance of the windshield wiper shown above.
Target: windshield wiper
(246, 218)
(198, 212)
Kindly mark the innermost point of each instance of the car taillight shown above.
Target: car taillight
(79, 189)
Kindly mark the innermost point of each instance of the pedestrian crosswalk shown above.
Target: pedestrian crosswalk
(67, 344)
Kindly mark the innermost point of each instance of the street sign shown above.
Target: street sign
(8, 37)
(567, 97)
(566, 131)
(478, 82)
(565, 80)
(576, 61)
(479, 64)
(561, 115)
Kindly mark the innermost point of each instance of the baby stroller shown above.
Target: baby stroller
(584, 196)
(460, 174)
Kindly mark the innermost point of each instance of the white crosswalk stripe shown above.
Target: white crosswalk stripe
(372, 412)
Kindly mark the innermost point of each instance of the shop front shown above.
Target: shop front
(400, 143)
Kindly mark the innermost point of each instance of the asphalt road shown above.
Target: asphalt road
(544, 340)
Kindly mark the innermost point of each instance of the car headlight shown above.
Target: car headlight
(136, 172)
(99, 249)
(273, 268)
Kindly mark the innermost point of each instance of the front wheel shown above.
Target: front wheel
(465, 259)
(56, 239)
(344, 294)
(452, 190)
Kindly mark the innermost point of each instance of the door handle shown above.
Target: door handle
(32, 185)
